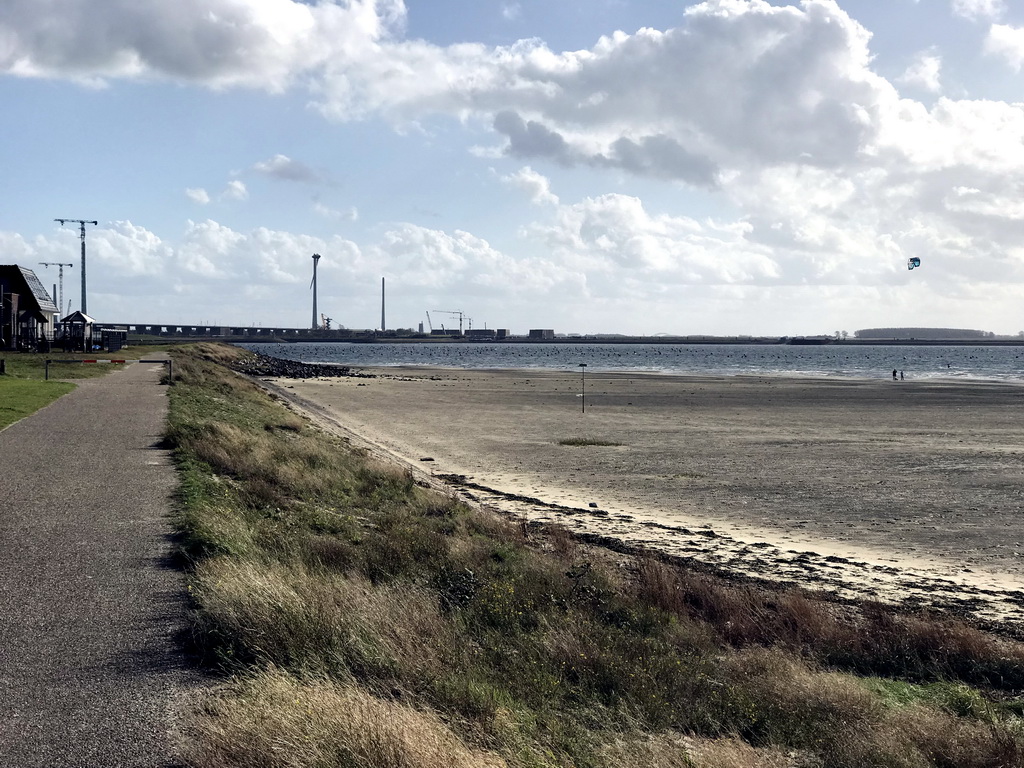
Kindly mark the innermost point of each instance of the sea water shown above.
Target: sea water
(999, 363)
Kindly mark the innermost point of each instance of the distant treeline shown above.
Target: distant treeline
(922, 333)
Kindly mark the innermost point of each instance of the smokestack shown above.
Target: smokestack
(382, 325)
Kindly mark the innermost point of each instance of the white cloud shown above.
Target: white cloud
(632, 102)
(350, 214)
(255, 43)
(235, 190)
(511, 11)
(535, 185)
(197, 195)
(924, 72)
(284, 168)
(461, 263)
(974, 201)
(1007, 43)
(617, 245)
(979, 9)
(801, 75)
(129, 250)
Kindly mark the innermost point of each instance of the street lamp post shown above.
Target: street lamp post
(583, 387)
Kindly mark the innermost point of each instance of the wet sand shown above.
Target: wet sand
(909, 492)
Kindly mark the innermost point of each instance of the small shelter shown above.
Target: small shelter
(27, 312)
(77, 332)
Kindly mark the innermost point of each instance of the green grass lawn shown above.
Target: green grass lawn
(21, 397)
(24, 388)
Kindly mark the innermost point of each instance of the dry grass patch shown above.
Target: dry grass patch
(675, 750)
(274, 720)
(868, 639)
(583, 441)
(772, 698)
(309, 620)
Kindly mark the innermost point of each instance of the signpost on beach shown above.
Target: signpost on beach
(583, 387)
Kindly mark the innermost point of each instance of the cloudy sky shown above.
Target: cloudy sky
(632, 166)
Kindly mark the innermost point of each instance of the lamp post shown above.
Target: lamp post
(583, 387)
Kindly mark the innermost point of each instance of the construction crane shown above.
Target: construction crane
(81, 225)
(60, 278)
(430, 325)
(325, 322)
(451, 312)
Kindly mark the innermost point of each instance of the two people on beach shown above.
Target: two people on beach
(894, 375)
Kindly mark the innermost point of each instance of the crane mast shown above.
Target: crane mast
(59, 298)
(81, 224)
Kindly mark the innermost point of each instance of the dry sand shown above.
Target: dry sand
(908, 492)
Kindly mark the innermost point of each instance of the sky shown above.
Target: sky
(590, 166)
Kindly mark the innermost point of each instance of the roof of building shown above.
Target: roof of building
(28, 277)
(78, 316)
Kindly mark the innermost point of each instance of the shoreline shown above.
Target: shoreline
(851, 486)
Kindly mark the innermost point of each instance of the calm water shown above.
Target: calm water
(918, 362)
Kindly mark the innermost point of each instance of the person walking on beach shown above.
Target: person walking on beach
(901, 375)
(894, 374)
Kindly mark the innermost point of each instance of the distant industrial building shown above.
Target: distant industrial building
(28, 316)
(542, 333)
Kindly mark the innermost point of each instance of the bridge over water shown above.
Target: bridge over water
(234, 332)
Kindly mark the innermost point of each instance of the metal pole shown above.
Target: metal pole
(583, 384)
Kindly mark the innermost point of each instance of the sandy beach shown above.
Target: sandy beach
(908, 492)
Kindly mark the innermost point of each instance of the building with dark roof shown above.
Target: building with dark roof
(28, 316)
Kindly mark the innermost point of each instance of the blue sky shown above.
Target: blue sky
(726, 167)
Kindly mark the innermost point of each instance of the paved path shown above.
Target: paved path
(90, 668)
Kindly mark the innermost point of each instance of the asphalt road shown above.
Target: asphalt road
(91, 668)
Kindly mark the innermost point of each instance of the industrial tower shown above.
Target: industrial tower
(316, 259)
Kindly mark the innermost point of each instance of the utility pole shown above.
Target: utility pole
(59, 298)
(81, 223)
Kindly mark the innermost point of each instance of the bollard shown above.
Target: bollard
(3, 366)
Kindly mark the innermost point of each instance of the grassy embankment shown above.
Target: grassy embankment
(362, 620)
(24, 390)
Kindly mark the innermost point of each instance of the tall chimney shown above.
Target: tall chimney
(383, 327)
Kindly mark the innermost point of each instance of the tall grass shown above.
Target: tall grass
(273, 719)
(361, 619)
